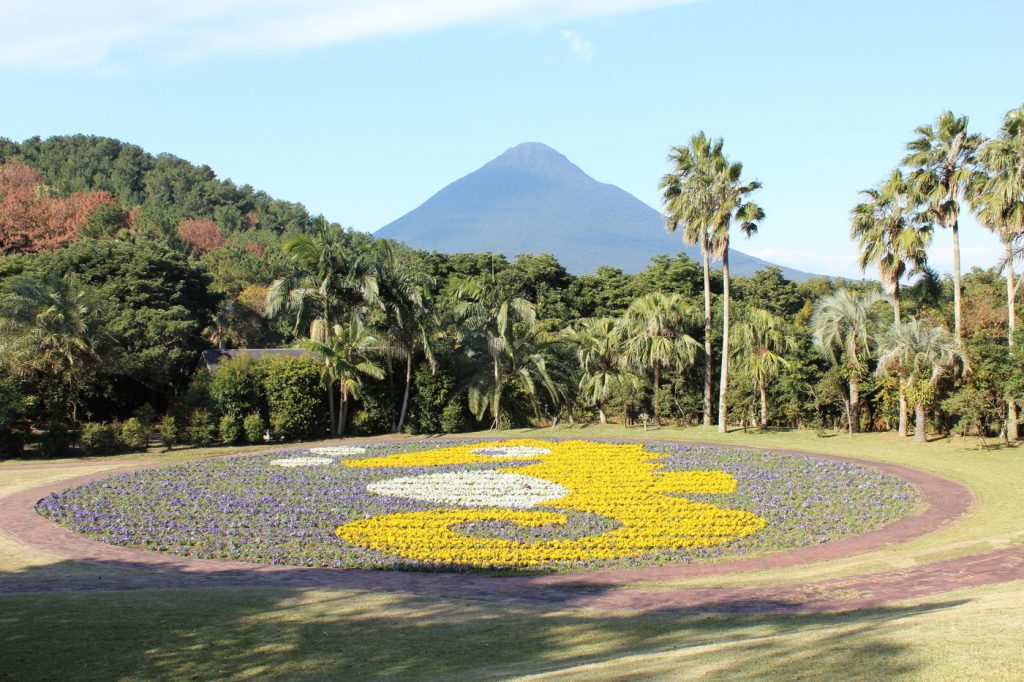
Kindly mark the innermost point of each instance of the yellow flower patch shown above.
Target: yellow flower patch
(618, 481)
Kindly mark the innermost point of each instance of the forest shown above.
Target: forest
(119, 268)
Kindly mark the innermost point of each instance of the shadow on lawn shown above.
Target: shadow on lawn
(292, 631)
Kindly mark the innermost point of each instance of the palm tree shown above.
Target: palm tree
(731, 204)
(761, 342)
(348, 356)
(600, 352)
(51, 328)
(522, 363)
(482, 304)
(942, 158)
(843, 325)
(411, 325)
(654, 326)
(894, 235)
(997, 197)
(688, 205)
(920, 352)
(329, 281)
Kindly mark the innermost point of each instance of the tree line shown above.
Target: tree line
(106, 321)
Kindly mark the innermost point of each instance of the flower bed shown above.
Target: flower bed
(513, 504)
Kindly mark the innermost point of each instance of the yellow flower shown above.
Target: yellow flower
(617, 481)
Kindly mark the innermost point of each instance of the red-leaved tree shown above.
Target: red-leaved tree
(201, 235)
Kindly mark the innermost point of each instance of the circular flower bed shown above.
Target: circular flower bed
(512, 504)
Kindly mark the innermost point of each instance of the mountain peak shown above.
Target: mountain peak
(537, 157)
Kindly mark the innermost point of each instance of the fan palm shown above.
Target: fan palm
(762, 340)
(921, 353)
(348, 356)
(731, 205)
(484, 305)
(654, 327)
(688, 207)
(51, 328)
(844, 327)
(329, 281)
(893, 234)
(997, 197)
(942, 158)
(600, 352)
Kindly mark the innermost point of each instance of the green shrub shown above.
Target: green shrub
(201, 429)
(253, 427)
(230, 429)
(169, 432)
(198, 397)
(134, 435)
(453, 418)
(98, 438)
(295, 397)
(14, 407)
(146, 415)
(57, 439)
(237, 387)
(432, 395)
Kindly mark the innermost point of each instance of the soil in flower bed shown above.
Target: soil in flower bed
(251, 509)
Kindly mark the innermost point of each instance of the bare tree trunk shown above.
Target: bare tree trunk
(405, 398)
(657, 385)
(919, 435)
(898, 314)
(601, 414)
(1011, 325)
(854, 412)
(957, 324)
(708, 376)
(342, 410)
(724, 384)
(330, 407)
(764, 409)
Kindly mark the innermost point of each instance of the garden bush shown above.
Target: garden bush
(134, 435)
(237, 388)
(98, 438)
(201, 429)
(14, 406)
(230, 429)
(296, 399)
(254, 427)
(57, 439)
(169, 431)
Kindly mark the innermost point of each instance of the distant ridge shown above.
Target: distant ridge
(532, 199)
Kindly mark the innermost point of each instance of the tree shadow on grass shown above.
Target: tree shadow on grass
(303, 632)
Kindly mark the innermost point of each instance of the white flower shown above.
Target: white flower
(512, 452)
(301, 461)
(472, 489)
(339, 451)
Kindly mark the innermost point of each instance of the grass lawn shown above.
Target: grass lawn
(311, 634)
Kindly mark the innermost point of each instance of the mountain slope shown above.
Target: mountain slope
(531, 199)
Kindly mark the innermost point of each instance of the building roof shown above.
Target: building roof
(213, 357)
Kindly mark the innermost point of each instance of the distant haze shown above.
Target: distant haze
(532, 199)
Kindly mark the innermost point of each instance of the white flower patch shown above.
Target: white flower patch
(339, 451)
(301, 462)
(512, 452)
(472, 489)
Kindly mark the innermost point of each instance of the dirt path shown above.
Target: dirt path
(943, 500)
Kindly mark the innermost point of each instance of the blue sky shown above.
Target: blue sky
(362, 109)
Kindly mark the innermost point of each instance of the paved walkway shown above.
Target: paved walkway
(943, 500)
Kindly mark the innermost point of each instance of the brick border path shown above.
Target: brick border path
(943, 502)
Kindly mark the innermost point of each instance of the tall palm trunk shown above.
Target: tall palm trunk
(724, 383)
(898, 313)
(708, 376)
(764, 409)
(1011, 325)
(657, 385)
(342, 408)
(405, 397)
(330, 407)
(919, 435)
(497, 395)
(956, 284)
(601, 413)
(854, 414)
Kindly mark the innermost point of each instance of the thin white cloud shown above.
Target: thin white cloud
(577, 44)
(70, 34)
